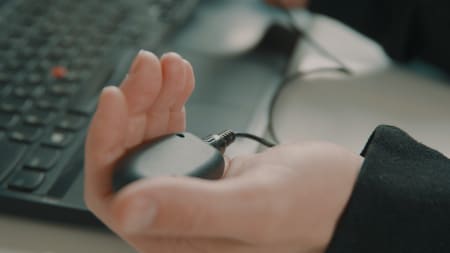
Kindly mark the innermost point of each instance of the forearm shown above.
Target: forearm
(401, 202)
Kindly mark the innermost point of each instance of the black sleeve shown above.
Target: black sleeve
(407, 29)
(401, 200)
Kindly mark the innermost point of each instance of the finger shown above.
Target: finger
(173, 84)
(186, 207)
(177, 121)
(104, 145)
(188, 87)
(141, 87)
(143, 83)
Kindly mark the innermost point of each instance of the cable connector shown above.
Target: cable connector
(221, 140)
(225, 138)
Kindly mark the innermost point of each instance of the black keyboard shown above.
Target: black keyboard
(55, 56)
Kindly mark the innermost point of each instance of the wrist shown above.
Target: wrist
(342, 175)
(352, 172)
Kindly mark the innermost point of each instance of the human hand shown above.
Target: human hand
(288, 3)
(285, 199)
(149, 103)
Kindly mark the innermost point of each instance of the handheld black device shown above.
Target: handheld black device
(181, 154)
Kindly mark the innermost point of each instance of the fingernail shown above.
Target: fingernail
(169, 54)
(109, 88)
(137, 62)
(106, 88)
(141, 214)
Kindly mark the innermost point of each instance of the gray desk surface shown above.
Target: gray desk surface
(345, 110)
(330, 107)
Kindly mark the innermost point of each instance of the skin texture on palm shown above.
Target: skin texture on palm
(285, 199)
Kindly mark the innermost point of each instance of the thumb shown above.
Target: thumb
(189, 207)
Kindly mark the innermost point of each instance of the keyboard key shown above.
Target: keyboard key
(10, 154)
(63, 89)
(25, 134)
(14, 65)
(37, 118)
(27, 91)
(7, 107)
(59, 72)
(66, 41)
(57, 139)
(82, 63)
(12, 105)
(5, 89)
(4, 44)
(21, 91)
(43, 159)
(36, 39)
(4, 78)
(7, 120)
(26, 53)
(56, 54)
(50, 102)
(42, 65)
(35, 78)
(25, 180)
(75, 76)
(72, 122)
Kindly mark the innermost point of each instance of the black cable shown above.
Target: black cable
(299, 74)
(271, 128)
(255, 138)
(288, 79)
(225, 138)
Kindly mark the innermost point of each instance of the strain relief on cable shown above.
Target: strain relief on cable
(221, 140)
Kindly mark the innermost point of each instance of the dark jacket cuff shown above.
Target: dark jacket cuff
(401, 200)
